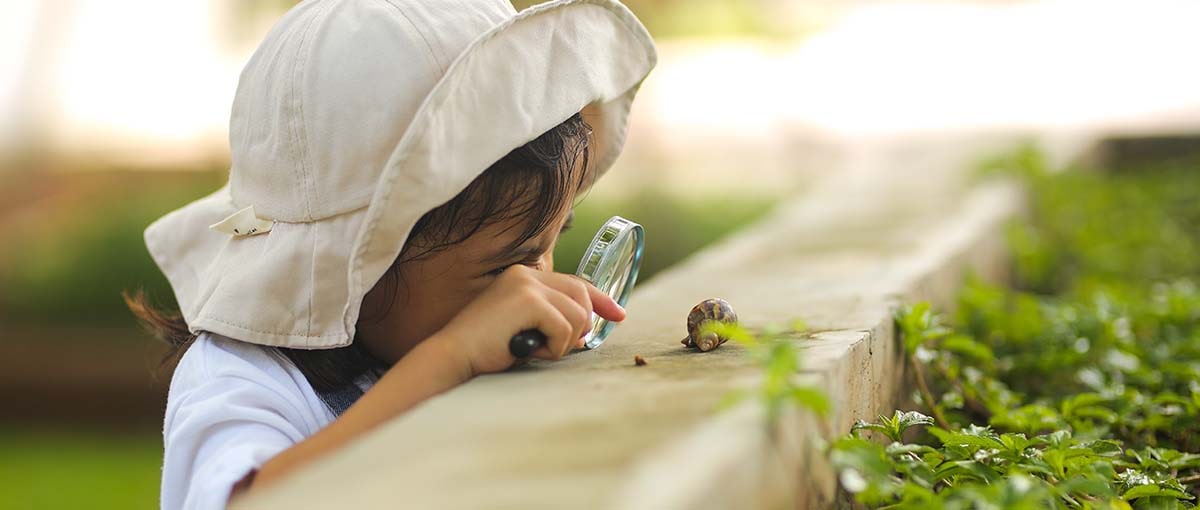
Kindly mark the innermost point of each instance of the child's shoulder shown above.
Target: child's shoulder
(222, 384)
(213, 356)
(216, 368)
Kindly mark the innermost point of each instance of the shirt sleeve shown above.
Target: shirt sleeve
(218, 427)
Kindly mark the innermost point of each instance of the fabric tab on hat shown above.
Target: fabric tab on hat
(243, 223)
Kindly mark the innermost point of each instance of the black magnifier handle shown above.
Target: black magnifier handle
(522, 344)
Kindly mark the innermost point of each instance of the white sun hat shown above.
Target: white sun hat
(354, 118)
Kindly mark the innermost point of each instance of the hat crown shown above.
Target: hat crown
(331, 90)
(356, 117)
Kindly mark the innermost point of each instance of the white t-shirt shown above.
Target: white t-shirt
(232, 405)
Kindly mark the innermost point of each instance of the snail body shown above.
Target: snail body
(708, 310)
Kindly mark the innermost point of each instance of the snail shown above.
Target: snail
(708, 310)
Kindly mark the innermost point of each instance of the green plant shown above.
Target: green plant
(977, 467)
(774, 350)
(1062, 450)
(1077, 388)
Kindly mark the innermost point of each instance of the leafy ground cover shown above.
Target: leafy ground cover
(1076, 387)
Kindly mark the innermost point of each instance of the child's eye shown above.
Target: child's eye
(498, 270)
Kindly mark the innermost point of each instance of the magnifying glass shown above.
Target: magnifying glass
(610, 263)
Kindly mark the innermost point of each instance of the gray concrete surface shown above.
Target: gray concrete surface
(595, 431)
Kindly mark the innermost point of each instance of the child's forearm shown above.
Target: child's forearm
(430, 368)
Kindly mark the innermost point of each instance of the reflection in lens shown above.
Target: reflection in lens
(611, 263)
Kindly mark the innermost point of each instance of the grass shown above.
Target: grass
(58, 467)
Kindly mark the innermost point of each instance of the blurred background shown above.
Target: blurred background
(115, 112)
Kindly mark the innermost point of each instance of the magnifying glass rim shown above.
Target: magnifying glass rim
(624, 229)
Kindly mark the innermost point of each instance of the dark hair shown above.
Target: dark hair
(531, 182)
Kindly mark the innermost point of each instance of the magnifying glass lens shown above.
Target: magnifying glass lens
(611, 263)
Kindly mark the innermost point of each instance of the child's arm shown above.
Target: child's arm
(474, 342)
(430, 368)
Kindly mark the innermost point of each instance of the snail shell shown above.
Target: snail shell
(708, 310)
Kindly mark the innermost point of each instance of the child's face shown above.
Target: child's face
(432, 290)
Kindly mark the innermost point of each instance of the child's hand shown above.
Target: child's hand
(521, 298)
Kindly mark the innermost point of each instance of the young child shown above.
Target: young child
(401, 170)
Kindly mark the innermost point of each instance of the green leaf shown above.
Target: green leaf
(730, 330)
(967, 346)
(1143, 491)
(910, 419)
(966, 469)
(863, 425)
(918, 326)
(966, 438)
(812, 398)
(731, 399)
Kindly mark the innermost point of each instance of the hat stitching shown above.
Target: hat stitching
(312, 274)
(300, 138)
(273, 334)
(296, 122)
(440, 62)
(323, 218)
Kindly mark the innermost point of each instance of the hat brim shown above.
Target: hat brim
(511, 84)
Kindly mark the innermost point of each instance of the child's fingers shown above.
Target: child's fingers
(579, 317)
(543, 352)
(553, 322)
(570, 285)
(581, 323)
(604, 305)
(596, 300)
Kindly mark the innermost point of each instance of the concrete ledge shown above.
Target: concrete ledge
(594, 431)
